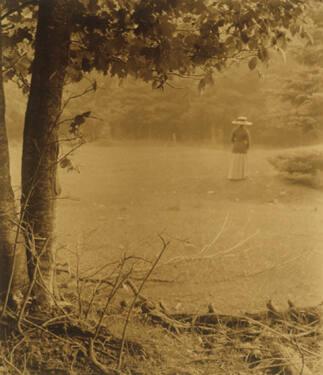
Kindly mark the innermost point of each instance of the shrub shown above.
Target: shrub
(303, 167)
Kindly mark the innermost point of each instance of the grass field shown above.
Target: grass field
(124, 196)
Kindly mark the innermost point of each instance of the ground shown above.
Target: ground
(124, 196)
(264, 235)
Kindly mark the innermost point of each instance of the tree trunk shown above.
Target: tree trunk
(12, 267)
(40, 143)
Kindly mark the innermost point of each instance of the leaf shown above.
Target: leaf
(9, 74)
(294, 29)
(86, 65)
(66, 163)
(80, 119)
(263, 54)
(283, 54)
(253, 44)
(253, 63)
(155, 84)
(309, 37)
(281, 41)
(209, 79)
(244, 37)
(201, 85)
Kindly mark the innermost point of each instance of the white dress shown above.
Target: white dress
(238, 169)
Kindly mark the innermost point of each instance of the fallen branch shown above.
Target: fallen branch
(295, 321)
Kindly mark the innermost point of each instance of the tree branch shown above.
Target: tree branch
(18, 8)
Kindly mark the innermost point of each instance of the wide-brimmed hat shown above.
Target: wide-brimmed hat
(242, 120)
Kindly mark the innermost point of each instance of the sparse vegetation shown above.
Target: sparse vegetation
(303, 167)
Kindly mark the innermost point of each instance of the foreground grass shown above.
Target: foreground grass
(269, 343)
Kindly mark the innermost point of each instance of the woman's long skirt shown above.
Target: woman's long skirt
(238, 167)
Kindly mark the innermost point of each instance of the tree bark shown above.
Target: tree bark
(40, 143)
(12, 256)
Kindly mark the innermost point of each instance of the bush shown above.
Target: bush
(303, 167)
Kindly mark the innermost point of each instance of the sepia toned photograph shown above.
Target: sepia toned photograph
(161, 187)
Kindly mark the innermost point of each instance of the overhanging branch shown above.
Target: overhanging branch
(18, 8)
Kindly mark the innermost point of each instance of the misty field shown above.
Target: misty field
(233, 244)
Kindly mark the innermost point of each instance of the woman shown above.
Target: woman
(240, 145)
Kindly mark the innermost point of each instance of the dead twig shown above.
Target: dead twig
(207, 247)
(104, 370)
(118, 283)
(31, 287)
(165, 245)
(10, 364)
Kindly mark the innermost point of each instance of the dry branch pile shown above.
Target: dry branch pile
(271, 342)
